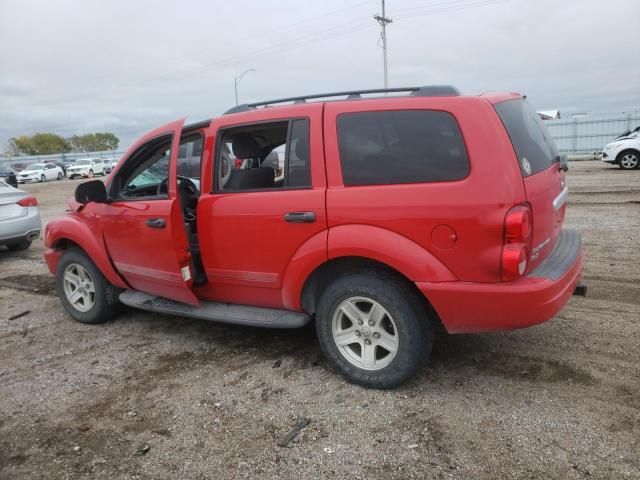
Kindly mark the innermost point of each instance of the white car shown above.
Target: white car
(624, 151)
(40, 172)
(86, 167)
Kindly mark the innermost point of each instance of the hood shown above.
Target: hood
(28, 171)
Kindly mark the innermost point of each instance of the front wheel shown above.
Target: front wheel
(85, 293)
(43, 178)
(59, 176)
(629, 160)
(90, 173)
(19, 246)
(374, 328)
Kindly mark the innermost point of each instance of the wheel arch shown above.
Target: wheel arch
(68, 232)
(627, 150)
(317, 282)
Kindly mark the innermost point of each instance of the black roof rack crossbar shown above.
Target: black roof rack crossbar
(424, 91)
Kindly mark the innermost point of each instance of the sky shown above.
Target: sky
(127, 66)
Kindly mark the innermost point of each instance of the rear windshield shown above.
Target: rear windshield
(401, 146)
(534, 146)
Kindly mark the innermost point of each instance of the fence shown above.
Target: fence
(22, 161)
(583, 135)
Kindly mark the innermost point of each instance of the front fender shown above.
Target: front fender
(389, 248)
(71, 228)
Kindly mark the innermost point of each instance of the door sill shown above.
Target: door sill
(217, 312)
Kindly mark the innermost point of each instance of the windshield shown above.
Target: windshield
(83, 162)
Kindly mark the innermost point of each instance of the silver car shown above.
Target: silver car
(19, 218)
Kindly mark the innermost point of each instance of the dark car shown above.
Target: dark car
(8, 175)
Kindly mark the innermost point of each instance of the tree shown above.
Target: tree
(38, 144)
(94, 142)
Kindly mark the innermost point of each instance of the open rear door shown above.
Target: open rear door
(143, 225)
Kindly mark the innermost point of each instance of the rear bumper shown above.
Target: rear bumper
(20, 228)
(466, 307)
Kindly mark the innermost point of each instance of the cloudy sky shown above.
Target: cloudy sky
(76, 66)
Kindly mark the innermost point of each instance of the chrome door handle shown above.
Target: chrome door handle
(156, 223)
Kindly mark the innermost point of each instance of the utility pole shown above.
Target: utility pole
(383, 20)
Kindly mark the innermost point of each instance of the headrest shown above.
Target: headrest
(245, 146)
(245, 179)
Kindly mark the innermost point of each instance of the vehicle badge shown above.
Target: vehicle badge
(526, 166)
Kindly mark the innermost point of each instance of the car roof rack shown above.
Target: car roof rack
(424, 91)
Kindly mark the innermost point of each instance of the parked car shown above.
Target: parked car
(110, 163)
(62, 166)
(395, 216)
(8, 175)
(624, 151)
(40, 172)
(19, 218)
(86, 167)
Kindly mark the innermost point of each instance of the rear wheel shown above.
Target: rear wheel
(373, 328)
(85, 293)
(18, 246)
(629, 160)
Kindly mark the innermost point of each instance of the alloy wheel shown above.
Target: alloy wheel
(365, 333)
(79, 287)
(629, 160)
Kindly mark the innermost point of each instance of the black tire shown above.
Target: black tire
(43, 179)
(59, 176)
(106, 304)
(19, 246)
(90, 173)
(408, 311)
(633, 155)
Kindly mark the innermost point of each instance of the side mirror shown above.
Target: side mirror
(93, 191)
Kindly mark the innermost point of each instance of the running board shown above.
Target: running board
(217, 312)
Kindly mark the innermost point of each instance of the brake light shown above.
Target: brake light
(29, 201)
(518, 227)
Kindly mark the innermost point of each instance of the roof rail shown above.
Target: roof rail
(424, 91)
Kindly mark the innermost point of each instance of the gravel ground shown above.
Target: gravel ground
(154, 396)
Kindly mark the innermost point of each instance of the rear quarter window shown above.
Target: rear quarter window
(401, 146)
(531, 140)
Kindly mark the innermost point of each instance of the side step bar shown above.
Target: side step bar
(217, 312)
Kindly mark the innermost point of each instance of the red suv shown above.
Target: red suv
(389, 216)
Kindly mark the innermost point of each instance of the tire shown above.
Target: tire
(19, 246)
(100, 307)
(90, 174)
(43, 179)
(59, 176)
(629, 159)
(405, 319)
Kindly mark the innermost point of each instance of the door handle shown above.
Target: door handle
(156, 223)
(300, 217)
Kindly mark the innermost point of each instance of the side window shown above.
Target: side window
(146, 172)
(190, 156)
(270, 155)
(402, 146)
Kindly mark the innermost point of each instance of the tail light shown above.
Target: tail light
(239, 162)
(518, 228)
(29, 201)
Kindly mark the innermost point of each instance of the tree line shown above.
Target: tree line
(50, 143)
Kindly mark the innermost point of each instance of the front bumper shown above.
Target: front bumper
(20, 228)
(28, 179)
(466, 307)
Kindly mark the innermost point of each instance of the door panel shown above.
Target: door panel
(146, 237)
(247, 242)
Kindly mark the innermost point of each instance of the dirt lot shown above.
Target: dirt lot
(561, 400)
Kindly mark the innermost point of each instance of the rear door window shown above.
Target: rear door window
(531, 140)
(401, 146)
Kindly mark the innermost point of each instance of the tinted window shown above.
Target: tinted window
(190, 156)
(298, 171)
(531, 141)
(407, 146)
